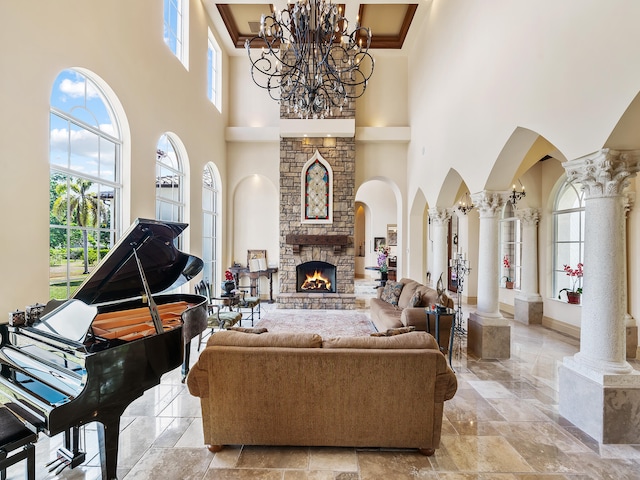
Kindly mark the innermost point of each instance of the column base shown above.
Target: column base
(606, 411)
(632, 341)
(528, 312)
(488, 341)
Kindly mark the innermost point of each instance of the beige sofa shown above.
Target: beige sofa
(406, 313)
(300, 390)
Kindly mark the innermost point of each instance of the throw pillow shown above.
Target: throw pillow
(415, 299)
(394, 331)
(391, 292)
(248, 330)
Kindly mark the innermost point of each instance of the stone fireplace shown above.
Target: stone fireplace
(328, 241)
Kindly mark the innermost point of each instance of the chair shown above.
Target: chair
(217, 318)
(249, 302)
(15, 435)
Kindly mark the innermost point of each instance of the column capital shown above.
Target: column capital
(604, 173)
(489, 203)
(439, 216)
(528, 216)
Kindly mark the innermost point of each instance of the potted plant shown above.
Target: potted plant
(508, 283)
(573, 293)
(383, 254)
(229, 283)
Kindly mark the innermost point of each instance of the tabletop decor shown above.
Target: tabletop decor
(575, 291)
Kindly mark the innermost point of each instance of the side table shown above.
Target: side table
(437, 313)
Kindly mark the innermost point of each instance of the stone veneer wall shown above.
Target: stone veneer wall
(340, 154)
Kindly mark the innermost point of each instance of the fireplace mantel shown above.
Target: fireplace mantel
(298, 240)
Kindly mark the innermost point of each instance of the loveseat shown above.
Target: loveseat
(297, 389)
(403, 303)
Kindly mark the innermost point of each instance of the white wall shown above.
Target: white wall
(120, 42)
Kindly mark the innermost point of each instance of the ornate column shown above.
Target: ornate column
(629, 321)
(439, 225)
(599, 390)
(528, 302)
(489, 332)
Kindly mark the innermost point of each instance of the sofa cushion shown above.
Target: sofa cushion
(416, 299)
(408, 290)
(412, 340)
(391, 292)
(241, 339)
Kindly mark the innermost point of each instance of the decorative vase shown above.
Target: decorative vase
(509, 285)
(227, 286)
(573, 297)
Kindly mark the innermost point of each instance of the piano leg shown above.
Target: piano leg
(108, 435)
(185, 364)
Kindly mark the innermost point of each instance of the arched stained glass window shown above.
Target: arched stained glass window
(317, 191)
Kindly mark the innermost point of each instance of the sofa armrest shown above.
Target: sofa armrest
(414, 316)
(198, 381)
(446, 385)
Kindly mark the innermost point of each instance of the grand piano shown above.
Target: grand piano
(86, 359)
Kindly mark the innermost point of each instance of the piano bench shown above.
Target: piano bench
(15, 435)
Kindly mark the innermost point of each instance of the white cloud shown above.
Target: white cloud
(76, 89)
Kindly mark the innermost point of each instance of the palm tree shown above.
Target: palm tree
(85, 208)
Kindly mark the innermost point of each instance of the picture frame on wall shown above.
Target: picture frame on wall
(392, 234)
(378, 242)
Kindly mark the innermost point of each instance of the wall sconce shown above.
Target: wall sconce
(515, 195)
(466, 205)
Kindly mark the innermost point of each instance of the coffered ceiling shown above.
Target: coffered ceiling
(390, 21)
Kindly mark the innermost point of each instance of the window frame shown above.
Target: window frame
(557, 269)
(510, 242)
(210, 238)
(214, 71)
(109, 188)
(175, 28)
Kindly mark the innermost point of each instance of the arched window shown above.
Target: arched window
(210, 214)
(169, 182)
(84, 187)
(510, 248)
(317, 190)
(568, 240)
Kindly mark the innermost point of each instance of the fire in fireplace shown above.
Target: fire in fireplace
(316, 277)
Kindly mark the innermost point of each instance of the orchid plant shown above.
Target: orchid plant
(576, 276)
(506, 263)
(383, 253)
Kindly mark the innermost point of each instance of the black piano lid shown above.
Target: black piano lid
(165, 267)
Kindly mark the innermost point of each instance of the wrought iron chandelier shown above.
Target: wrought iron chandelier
(308, 61)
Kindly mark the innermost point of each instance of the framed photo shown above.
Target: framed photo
(392, 234)
(379, 242)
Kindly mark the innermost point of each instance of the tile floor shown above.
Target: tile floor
(503, 424)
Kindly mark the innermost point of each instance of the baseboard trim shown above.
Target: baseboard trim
(561, 327)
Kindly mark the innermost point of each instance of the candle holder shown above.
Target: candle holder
(460, 265)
